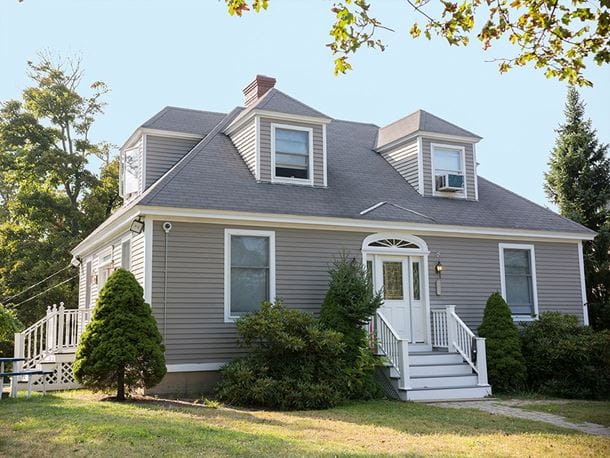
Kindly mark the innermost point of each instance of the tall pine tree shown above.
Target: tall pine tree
(578, 182)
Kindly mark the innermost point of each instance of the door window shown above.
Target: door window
(416, 284)
(392, 280)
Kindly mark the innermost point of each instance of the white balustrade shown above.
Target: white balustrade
(394, 348)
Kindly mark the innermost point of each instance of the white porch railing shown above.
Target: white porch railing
(395, 349)
(449, 331)
(58, 331)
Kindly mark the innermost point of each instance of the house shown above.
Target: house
(225, 210)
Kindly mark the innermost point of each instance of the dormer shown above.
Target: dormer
(280, 139)
(158, 144)
(436, 157)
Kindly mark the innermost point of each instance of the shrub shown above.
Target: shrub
(292, 362)
(9, 325)
(566, 359)
(505, 364)
(348, 306)
(121, 346)
(599, 316)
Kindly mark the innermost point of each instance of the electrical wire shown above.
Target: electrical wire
(46, 290)
(36, 284)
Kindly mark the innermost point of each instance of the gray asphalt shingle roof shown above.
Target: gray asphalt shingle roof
(214, 176)
(419, 121)
(184, 120)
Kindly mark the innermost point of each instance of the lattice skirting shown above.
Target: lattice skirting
(61, 379)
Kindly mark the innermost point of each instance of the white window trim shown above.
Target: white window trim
(227, 272)
(455, 195)
(275, 179)
(126, 238)
(532, 250)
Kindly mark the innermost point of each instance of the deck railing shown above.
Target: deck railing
(449, 331)
(58, 331)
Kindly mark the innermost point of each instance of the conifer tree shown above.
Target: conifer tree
(121, 346)
(578, 182)
(505, 363)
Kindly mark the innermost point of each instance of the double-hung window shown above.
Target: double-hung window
(130, 170)
(249, 271)
(447, 160)
(292, 155)
(126, 254)
(518, 271)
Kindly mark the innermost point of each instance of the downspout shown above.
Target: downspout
(167, 226)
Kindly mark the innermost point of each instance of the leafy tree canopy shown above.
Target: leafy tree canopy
(558, 36)
(50, 198)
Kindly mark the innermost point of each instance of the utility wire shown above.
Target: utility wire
(36, 284)
(48, 289)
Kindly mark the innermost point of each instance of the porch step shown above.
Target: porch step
(441, 394)
(434, 358)
(445, 381)
(439, 370)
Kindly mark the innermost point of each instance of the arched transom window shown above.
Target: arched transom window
(396, 243)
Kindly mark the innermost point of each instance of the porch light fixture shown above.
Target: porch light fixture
(137, 225)
(438, 268)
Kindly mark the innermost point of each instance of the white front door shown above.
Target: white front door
(400, 280)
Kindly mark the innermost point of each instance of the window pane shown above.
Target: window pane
(290, 160)
(249, 287)
(416, 287)
(519, 290)
(131, 167)
(249, 251)
(392, 280)
(517, 262)
(292, 141)
(446, 159)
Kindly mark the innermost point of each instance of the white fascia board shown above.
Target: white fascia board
(354, 225)
(240, 121)
(107, 230)
(430, 135)
(159, 132)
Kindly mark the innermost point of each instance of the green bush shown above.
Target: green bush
(121, 345)
(9, 325)
(599, 316)
(505, 364)
(348, 306)
(292, 362)
(566, 359)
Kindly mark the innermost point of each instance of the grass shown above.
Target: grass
(576, 411)
(79, 424)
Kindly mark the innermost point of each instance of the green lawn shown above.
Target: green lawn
(78, 424)
(576, 411)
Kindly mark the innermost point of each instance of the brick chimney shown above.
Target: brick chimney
(257, 88)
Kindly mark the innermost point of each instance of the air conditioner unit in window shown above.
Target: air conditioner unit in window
(449, 182)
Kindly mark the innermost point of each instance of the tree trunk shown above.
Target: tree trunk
(120, 382)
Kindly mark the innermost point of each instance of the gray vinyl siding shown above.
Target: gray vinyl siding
(265, 148)
(472, 272)
(405, 160)
(244, 140)
(470, 166)
(197, 333)
(115, 247)
(162, 153)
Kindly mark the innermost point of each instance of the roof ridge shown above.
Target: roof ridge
(548, 210)
(165, 179)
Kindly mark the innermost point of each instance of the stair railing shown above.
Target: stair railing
(394, 348)
(58, 331)
(449, 331)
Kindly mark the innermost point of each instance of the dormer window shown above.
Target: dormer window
(448, 169)
(291, 149)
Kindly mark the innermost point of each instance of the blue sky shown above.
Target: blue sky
(192, 54)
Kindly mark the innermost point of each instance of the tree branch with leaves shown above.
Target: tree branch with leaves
(560, 37)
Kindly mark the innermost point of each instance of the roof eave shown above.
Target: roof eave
(427, 134)
(240, 121)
